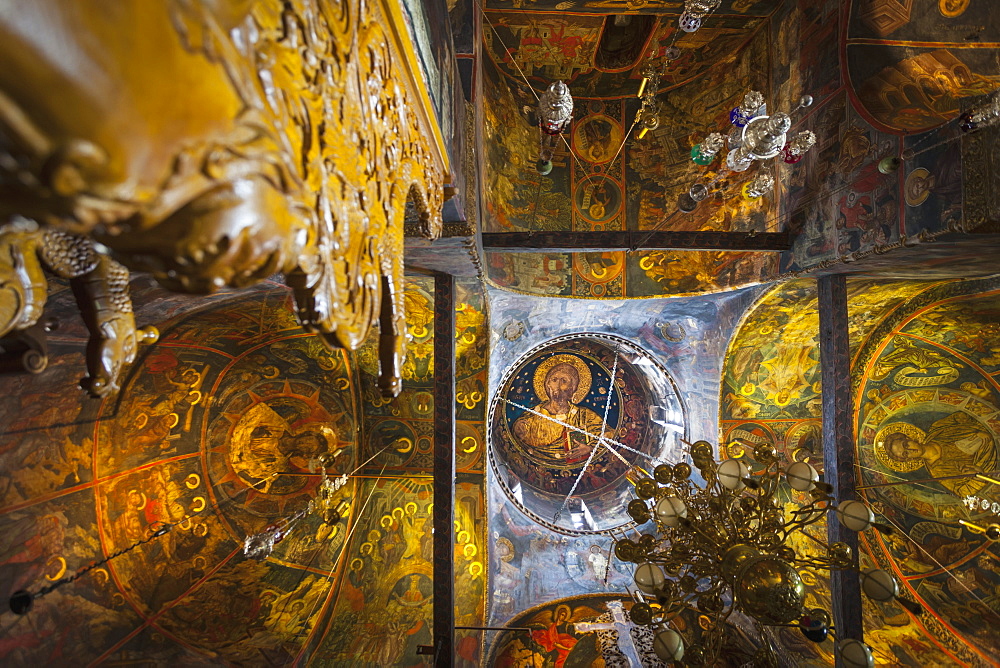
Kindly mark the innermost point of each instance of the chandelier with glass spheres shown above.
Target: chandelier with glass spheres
(723, 545)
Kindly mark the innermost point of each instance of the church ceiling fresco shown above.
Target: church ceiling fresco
(929, 407)
(549, 414)
(221, 429)
(579, 631)
(874, 98)
(839, 203)
(597, 187)
(926, 400)
(766, 375)
(894, 101)
(383, 611)
(806, 38)
(541, 47)
(910, 62)
(921, 91)
(197, 437)
(402, 427)
(532, 564)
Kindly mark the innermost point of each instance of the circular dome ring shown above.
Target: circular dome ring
(562, 435)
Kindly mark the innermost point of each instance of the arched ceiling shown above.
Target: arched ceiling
(596, 186)
(924, 357)
(885, 77)
(909, 63)
(217, 431)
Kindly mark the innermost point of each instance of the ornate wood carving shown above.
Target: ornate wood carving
(214, 143)
(980, 175)
(99, 284)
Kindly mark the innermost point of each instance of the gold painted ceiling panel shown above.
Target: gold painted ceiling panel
(216, 433)
(927, 404)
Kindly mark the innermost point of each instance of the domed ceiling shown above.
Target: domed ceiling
(886, 77)
(225, 426)
(235, 393)
(536, 561)
(571, 418)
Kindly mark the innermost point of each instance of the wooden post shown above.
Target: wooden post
(444, 470)
(612, 240)
(838, 445)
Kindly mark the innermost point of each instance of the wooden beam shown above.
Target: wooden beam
(838, 445)
(606, 241)
(444, 470)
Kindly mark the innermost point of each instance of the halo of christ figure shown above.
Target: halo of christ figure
(558, 431)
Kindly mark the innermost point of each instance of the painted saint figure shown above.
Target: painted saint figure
(555, 639)
(264, 444)
(412, 596)
(560, 432)
(954, 445)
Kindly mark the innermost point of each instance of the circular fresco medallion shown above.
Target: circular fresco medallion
(219, 436)
(596, 138)
(277, 428)
(952, 8)
(563, 434)
(598, 198)
(267, 439)
(918, 186)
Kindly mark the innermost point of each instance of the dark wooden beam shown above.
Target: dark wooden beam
(605, 241)
(838, 445)
(444, 470)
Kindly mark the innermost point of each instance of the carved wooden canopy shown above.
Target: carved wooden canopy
(214, 143)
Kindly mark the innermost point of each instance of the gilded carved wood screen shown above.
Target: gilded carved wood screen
(212, 143)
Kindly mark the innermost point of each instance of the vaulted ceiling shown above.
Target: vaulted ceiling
(886, 78)
(81, 479)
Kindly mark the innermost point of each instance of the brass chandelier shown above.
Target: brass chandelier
(723, 546)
